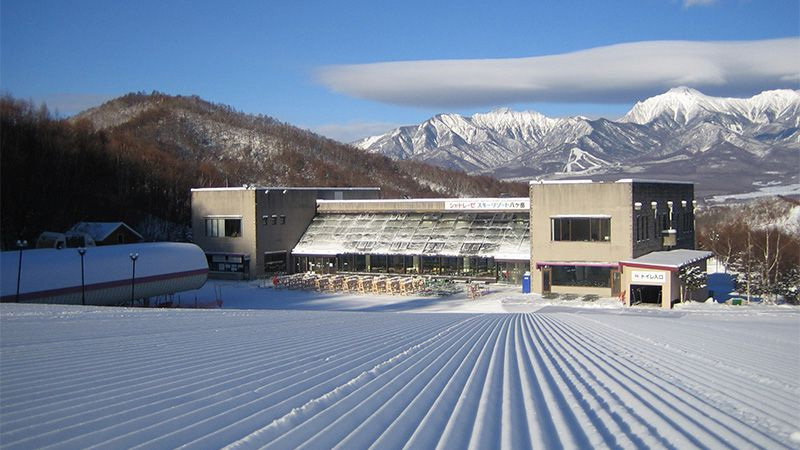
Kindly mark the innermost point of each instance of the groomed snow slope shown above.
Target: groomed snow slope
(77, 377)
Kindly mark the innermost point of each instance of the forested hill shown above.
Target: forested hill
(135, 158)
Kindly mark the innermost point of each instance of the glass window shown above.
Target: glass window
(586, 276)
(274, 262)
(589, 229)
(223, 227)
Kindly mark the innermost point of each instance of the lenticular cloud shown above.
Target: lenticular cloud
(619, 73)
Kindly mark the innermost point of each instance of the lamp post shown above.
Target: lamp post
(82, 251)
(20, 245)
(134, 257)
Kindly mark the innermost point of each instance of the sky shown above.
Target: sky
(351, 69)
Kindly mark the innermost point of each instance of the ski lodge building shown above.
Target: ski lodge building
(628, 238)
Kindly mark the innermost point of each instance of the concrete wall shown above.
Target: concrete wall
(612, 199)
(293, 208)
(225, 202)
(293, 211)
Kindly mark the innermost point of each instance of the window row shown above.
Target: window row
(274, 219)
(684, 222)
(589, 229)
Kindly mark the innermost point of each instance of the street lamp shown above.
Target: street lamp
(134, 257)
(82, 251)
(20, 245)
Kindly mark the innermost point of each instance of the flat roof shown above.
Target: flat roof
(430, 200)
(622, 180)
(499, 204)
(286, 188)
(669, 259)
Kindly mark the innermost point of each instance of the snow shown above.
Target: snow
(683, 104)
(766, 191)
(99, 231)
(671, 258)
(582, 161)
(302, 373)
(50, 269)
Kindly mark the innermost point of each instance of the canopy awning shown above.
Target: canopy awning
(499, 235)
(668, 260)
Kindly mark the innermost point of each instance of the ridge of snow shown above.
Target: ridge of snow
(683, 104)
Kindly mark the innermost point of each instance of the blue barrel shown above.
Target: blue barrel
(526, 283)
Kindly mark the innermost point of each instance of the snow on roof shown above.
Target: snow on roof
(99, 231)
(672, 259)
(646, 180)
(622, 180)
(286, 188)
(581, 181)
(490, 235)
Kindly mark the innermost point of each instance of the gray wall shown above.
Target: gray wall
(645, 193)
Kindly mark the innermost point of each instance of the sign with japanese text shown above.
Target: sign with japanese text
(644, 277)
(511, 204)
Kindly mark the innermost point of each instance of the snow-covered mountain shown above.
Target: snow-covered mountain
(725, 144)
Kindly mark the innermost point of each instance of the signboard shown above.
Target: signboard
(512, 204)
(643, 277)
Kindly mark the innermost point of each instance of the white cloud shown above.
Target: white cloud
(620, 73)
(353, 131)
(690, 3)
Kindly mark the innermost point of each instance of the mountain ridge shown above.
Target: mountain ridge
(651, 139)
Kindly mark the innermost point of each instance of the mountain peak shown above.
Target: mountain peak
(685, 90)
(684, 104)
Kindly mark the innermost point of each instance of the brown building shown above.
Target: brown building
(249, 231)
(627, 238)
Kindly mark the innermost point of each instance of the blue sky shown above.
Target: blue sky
(313, 63)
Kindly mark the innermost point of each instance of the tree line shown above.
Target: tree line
(759, 242)
(106, 166)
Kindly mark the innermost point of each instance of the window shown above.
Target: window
(274, 262)
(223, 227)
(642, 228)
(586, 276)
(688, 221)
(587, 229)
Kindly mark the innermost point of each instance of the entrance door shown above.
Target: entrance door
(547, 276)
(644, 294)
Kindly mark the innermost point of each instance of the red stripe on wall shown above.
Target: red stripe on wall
(27, 296)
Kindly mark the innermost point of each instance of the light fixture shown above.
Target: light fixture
(637, 206)
(684, 203)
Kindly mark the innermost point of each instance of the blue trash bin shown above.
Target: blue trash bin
(526, 283)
